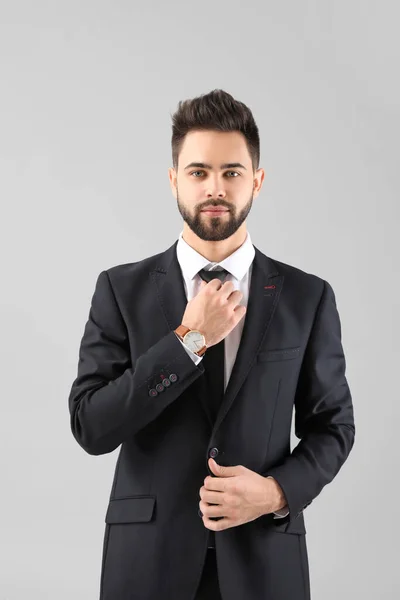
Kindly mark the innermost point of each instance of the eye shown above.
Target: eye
(236, 173)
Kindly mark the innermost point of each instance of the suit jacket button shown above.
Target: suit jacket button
(153, 392)
(173, 377)
(213, 452)
(160, 387)
(166, 382)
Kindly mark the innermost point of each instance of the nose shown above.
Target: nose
(214, 187)
(215, 191)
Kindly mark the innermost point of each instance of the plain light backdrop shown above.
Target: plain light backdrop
(87, 90)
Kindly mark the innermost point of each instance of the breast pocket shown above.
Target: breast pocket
(279, 354)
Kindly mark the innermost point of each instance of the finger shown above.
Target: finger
(212, 497)
(212, 510)
(215, 484)
(217, 525)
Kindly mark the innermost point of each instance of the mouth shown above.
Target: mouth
(215, 212)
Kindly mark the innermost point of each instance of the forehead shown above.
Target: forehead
(214, 147)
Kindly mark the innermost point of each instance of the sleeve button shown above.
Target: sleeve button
(159, 387)
(173, 377)
(153, 392)
(166, 382)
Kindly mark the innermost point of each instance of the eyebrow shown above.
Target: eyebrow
(234, 165)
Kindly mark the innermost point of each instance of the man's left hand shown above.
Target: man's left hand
(237, 494)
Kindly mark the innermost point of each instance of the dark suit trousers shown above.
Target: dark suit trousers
(209, 588)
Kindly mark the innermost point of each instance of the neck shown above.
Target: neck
(215, 251)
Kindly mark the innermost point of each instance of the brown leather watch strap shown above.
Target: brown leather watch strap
(182, 330)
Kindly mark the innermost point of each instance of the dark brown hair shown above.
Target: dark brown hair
(217, 111)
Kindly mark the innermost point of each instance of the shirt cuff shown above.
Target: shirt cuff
(282, 512)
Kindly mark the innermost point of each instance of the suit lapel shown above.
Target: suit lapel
(265, 288)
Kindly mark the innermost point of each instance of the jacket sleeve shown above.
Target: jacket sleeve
(111, 398)
(324, 420)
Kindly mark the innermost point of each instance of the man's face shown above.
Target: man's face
(198, 186)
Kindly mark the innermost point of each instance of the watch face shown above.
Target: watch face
(194, 340)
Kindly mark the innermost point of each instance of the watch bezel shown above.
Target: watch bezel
(186, 340)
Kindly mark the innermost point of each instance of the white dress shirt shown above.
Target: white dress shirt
(239, 266)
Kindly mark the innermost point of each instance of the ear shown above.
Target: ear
(172, 180)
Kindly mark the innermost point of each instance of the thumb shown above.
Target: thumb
(223, 471)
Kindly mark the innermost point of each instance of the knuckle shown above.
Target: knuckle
(234, 487)
(232, 501)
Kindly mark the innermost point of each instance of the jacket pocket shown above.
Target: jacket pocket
(130, 509)
(279, 354)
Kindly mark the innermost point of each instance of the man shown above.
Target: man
(193, 360)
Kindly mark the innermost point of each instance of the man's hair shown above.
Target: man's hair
(217, 111)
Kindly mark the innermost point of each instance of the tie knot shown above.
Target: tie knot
(208, 275)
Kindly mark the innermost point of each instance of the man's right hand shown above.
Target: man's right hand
(214, 311)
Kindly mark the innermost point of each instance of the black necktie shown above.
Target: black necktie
(214, 357)
(214, 365)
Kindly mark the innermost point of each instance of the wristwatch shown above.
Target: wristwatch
(192, 338)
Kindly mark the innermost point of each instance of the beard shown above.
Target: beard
(214, 229)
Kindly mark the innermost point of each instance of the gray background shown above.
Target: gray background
(87, 89)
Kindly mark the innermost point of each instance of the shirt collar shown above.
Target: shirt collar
(238, 263)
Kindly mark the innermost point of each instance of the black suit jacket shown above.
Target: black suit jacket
(137, 388)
